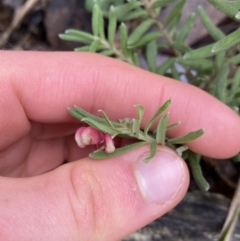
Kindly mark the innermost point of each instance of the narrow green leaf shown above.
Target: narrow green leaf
(187, 138)
(151, 54)
(145, 39)
(140, 109)
(99, 47)
(162, 46)
(175, 73)
(173, 25)
(187, 27)
(194, 163)
(181, 149)
(95, 20)
(101, 25)
(94, 46)
(108, 52)
(198, 64)
(161, 3)
(230, 8)
(112, 26)
(236, 80)
(139, 13)
(77, 36)
(100, 126)
(105, 117)
(117, 152)
(161, 129)
(79, 114)
(212, 29)
(181, 47)
(123, 10)
(235, 59)
(227, 42)
(135, 127)
(139, 31)
(153, 150)
(173, 125)
(176, 11)
(135, 59)
(203, 52)
(162, 69)
(124, 37)
(221, 83)
(82, 49)
(156, 115)
(220, 58)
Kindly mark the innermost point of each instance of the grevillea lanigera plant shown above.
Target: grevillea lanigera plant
(136, 32)
(101, 132)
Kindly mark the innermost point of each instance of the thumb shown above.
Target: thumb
(93, 200)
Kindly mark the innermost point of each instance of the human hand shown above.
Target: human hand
(88, 199)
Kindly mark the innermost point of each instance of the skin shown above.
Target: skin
(86, 199)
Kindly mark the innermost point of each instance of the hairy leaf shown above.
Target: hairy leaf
(186, 29)
(200, 53)
(145, 39)
(213, 30)
(151, 54)
(187, 138)
(156, 115)
(108, 52)
(161, 3)
(221, 82)
(194, 162)
(124, 37)
(94, 46)
(139, 31)
(201, 65)
(165, 66)
(153, 150)
(176, 10)
(173, 125)
(77, 36)
(122, 10)
(140, 109)
(181, 47)
(100, 126)
(79, 114)
(139, 13)
(227, 42)
(117, 152)
(235, 59)
(230, 8)
(161, 129)
(95, 20)
(112, 26)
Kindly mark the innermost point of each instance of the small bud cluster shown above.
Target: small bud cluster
(90, 136)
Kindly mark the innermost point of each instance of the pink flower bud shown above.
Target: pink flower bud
(90, 136)
(78, 138)
(87, 136)
(109, 144)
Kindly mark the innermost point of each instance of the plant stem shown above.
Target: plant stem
(165, 33)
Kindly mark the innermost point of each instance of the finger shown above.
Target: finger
(93, 200)
(56, 81)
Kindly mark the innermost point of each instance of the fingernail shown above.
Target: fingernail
(160, 179)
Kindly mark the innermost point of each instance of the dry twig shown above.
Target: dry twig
(18, 17)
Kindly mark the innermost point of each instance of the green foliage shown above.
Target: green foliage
(130, 30)
(130, 128)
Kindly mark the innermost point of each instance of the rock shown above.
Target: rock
(199, 217)
(62, 15)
